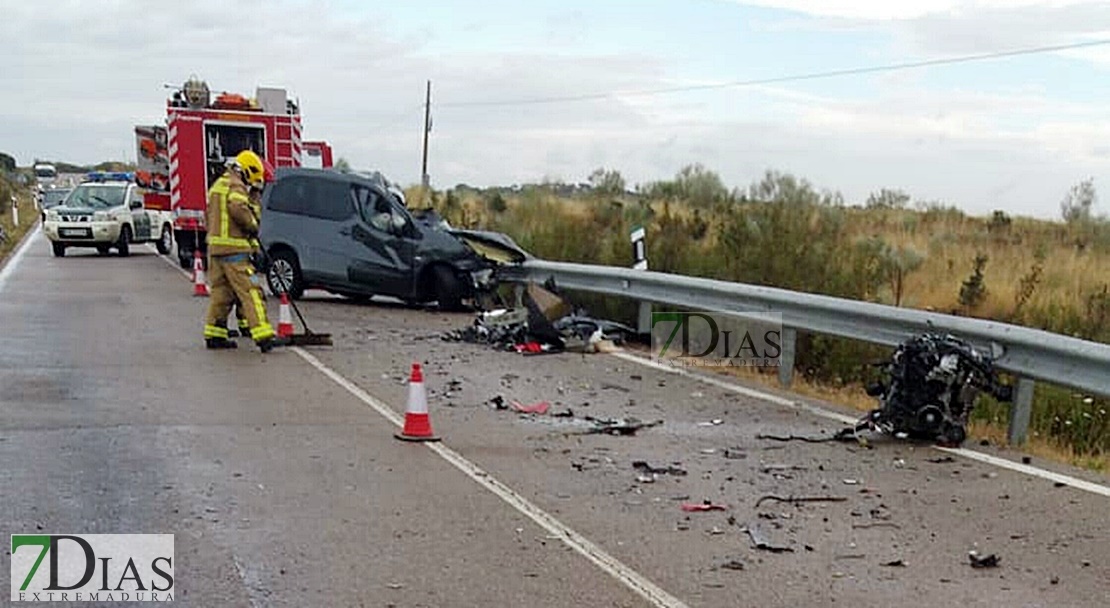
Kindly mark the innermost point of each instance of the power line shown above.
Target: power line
(792, 78)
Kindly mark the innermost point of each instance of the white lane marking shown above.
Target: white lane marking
(655, 595)
(17, 255)
(171, 262)
(1074, 482)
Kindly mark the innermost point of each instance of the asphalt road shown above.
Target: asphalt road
(279, 476)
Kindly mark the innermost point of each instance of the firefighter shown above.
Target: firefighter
(231, 228)
(255, 202)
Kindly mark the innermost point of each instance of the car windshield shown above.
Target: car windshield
(52, 198)
(96, 196)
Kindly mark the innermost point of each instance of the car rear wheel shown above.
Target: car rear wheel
(124, 243)
(59, 249)
(284, 274)
(165, 243)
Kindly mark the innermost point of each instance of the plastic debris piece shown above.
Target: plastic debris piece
(694, 507)
(536, 408)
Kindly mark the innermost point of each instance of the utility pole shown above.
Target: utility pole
(424, 181)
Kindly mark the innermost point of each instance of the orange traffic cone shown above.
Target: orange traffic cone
(285, 318)
(418, 427)
(200, 283)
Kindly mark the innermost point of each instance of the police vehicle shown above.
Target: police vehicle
(106, 211)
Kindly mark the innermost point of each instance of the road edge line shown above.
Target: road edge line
(1075, 482)
(8, 265)
(624, 574)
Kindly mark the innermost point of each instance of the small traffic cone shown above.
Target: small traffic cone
(285, 318)
(200, 283)
(418, 427)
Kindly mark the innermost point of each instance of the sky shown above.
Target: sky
(1013, 133)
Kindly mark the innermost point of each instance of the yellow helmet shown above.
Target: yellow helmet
(251, 166)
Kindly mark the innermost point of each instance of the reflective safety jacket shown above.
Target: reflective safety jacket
(230, 221)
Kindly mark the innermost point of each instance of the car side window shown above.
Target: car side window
(326, 199)
(373, 207)
(136, 199)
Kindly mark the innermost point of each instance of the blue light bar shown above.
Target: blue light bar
(109, 176)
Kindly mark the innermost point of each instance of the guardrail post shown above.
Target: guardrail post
(786, 363)
(1021, 411)
(15, 211)
(643, 321)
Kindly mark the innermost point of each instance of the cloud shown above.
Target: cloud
(80, 77)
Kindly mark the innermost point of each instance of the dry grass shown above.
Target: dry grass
(27, 220)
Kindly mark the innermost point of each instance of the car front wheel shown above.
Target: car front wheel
(59, 249)
(124, 243)
(284, 274)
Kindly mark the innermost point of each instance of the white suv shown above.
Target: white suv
(104, 212)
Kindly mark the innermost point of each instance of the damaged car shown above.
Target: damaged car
(351, 235)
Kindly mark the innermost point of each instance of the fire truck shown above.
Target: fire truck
(180, 161)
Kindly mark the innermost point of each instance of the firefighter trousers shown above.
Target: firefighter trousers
(233, 279)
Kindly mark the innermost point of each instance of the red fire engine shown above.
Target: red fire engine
(202, 133)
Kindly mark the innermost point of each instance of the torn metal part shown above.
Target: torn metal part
(643, 466)
(762, 542)
(618, 426)
(981, 561)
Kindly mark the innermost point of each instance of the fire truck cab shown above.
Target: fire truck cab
(202, 133)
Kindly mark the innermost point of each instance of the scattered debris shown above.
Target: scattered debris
(734, 453)
(1026, 460)
(778, 468)
(761, 542)
(876, 524)
(714, 422)
(618, 426)
(799, 499)
(977, 561)
(536, 408)
(615, 387)
(932, 382)
(941, 460)
(567, 413)
(732, 564)
(847, 434)
(898, 563)
(694, 507)
(643, 466)
(851, 482)
(646, 478)
(850, 556)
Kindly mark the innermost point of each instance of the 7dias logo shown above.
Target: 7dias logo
(699, 339)
(92, 568)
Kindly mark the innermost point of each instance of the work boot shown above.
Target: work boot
(233, 333)
(219, 343)
(267, 344)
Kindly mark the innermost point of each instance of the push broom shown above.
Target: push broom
(309, 337)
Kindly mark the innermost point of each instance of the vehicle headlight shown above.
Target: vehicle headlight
(51, 215)
(102, 216)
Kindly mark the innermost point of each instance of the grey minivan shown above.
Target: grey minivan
(349, 235)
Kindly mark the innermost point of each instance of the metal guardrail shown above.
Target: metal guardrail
(1031, 354)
